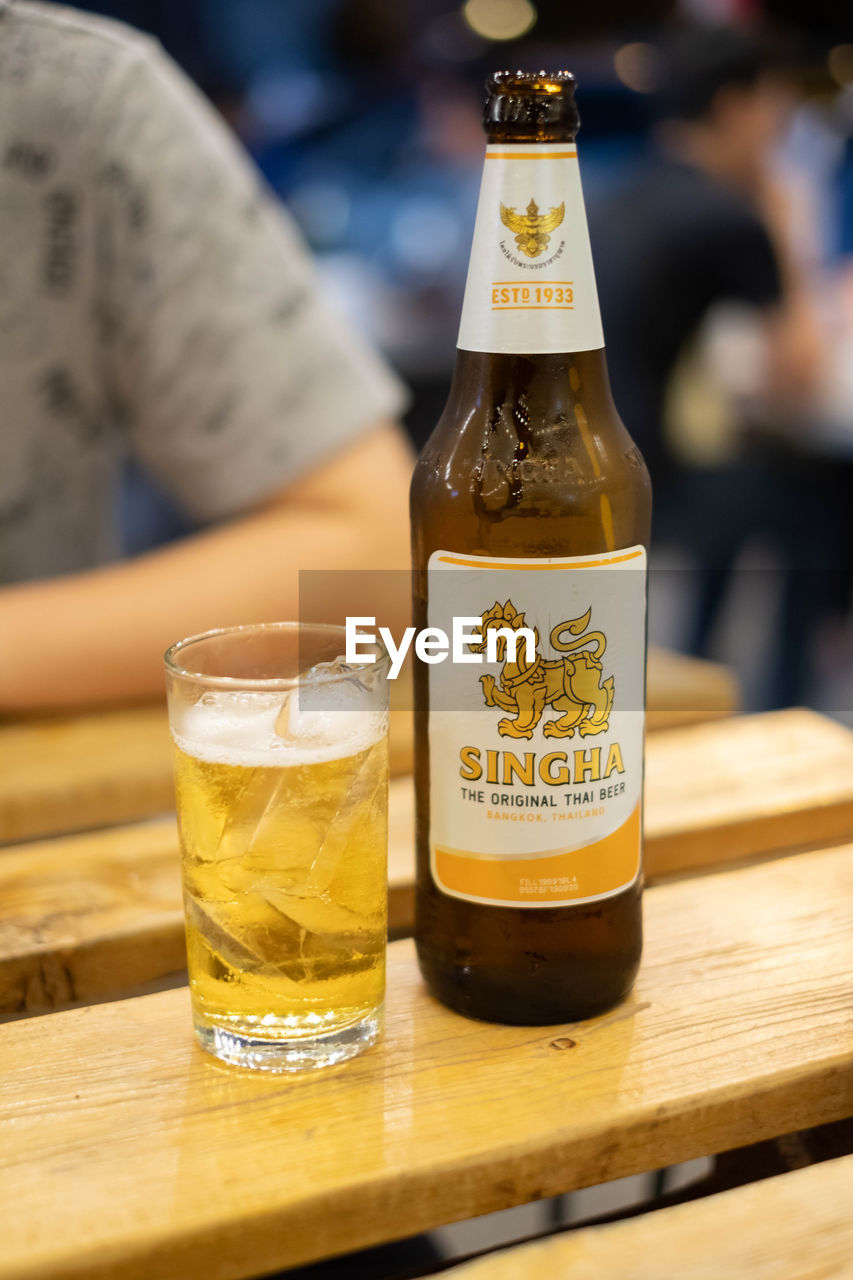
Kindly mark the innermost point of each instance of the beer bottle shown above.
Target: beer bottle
(530, 519)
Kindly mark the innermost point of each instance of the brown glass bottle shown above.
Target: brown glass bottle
(529, 460)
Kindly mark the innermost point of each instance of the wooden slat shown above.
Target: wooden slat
(86, 771)
(795, 1227)
(129, 1153)
(95, 915)
(720, 792)
(95, 770)
(682, 690)
(716, 793)
(89, 916)
(71, 774)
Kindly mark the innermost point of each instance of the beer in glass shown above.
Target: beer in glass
(281, 770)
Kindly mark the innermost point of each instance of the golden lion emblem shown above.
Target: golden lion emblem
(532, 229)
(571, 685)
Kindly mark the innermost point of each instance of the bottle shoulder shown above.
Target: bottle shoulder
(472, 461)
(531, 453)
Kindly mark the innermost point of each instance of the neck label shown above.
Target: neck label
(531, 286)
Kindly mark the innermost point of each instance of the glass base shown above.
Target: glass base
(303, 1054)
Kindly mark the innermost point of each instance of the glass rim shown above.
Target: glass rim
(269, 683)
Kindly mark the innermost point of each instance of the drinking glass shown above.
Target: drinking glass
(281, 777)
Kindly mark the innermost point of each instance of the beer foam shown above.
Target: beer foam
(240, 729)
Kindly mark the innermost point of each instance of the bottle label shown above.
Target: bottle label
(531, 286)
(536, 756)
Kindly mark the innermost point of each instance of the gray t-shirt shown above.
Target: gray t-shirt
(154, 301)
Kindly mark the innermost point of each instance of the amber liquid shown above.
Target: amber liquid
(529, 459)
(285, 891)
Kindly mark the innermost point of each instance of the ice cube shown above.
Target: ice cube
(326, 942)
(315, 915)
(360, 801)
(329, 712)
(209, 922)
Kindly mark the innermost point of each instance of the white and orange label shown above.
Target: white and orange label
(536, 737)
(531, 286)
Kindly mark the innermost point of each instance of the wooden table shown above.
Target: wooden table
(127, 1152)
(131, 1153)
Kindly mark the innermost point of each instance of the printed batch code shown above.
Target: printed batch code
(509, 296)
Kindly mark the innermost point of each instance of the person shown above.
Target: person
(702, 222)
(156, 303)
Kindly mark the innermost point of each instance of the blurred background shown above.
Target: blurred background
(736, 377)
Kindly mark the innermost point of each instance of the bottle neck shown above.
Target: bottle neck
(546, 384)
(531, 286)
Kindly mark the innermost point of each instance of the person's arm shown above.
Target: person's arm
(98, 637)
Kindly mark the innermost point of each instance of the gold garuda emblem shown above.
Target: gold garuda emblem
(532, 229)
